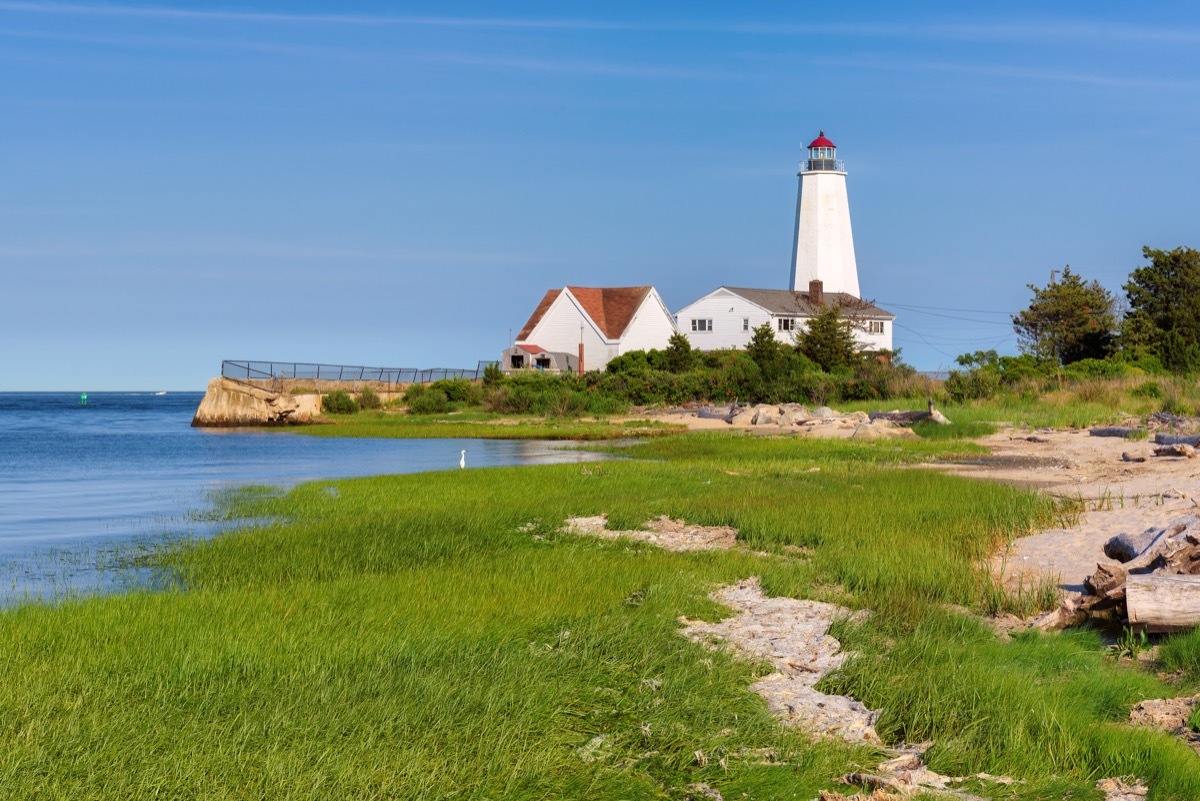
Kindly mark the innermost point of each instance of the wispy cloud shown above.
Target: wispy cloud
(261, 249)
(1037, 74)
(1048, 29)
(159, 12)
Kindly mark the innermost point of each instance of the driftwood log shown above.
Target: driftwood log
(1178, 449)
(1177, 439)
(1113, 431)
(1157, 589)
(1161, 604)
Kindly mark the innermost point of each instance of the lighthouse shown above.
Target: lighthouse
(823, 247)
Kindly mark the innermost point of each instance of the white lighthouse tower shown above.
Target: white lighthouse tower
(823, 249)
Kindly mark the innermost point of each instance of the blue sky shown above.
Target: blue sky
(397, 184)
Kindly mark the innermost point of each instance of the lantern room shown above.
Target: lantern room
(822, 155)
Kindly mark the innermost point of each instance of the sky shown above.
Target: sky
(398, 184)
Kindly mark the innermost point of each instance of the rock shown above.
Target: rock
(858, 417)
(824, 413)
(1127, 547)
(767, 417)
(743, 418)
(1119, 790)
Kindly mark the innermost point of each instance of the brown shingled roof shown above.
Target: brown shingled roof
(611, 308)
(536, 317)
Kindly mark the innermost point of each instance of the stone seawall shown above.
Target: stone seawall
(231, 403)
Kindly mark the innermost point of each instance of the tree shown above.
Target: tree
(1068, 321)
(767, 351)
(1164, 307)
(829, 340)
(680, 356)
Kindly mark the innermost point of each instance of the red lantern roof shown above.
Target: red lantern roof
(821, 141)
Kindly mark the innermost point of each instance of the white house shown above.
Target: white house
(727, 316)
(595, 324)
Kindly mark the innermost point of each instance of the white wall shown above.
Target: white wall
(727, 311)
(651, 326)
(823, 247)
(558, 330)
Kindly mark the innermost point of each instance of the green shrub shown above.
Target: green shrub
(459, 390)
(976, 384)
(492, 374)
(1095, 368)
(367, 399)
(338, 402)
(1148, 389)
(429, 401)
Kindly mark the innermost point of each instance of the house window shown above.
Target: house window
(745, 323)
(702, 325)
(517, 361)
(875, 327)
(543, 362)
(787, 323)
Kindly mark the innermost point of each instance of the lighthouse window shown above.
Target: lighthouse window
(702, 325)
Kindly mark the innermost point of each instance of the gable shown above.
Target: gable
(611, 308)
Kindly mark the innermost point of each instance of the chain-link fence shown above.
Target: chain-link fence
(292, 372)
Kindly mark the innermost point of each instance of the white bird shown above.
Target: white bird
(462, 460)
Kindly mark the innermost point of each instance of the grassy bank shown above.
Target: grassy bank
(484, 425)
(435, 636)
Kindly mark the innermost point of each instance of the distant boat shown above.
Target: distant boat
(161, 393)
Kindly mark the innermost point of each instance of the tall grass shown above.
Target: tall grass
(437, 636)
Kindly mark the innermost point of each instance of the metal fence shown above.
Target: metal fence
(305, 371)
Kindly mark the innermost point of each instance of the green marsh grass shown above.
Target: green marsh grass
(437, 636)
(484, 425)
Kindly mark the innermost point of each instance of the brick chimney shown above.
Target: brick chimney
(815, 295)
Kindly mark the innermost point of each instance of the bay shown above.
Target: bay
(81, 483)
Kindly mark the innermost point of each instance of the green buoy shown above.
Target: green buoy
(83, 399)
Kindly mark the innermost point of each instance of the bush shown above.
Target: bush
(1148, 389)
(976, 384)
(1095, 368)
(459, 390)
(429, 401)
(367, 399)
(338, 402)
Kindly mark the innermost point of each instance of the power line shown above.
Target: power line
(940, 308)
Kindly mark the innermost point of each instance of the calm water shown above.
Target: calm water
(79, 483)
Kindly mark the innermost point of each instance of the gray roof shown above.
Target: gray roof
(785, 301)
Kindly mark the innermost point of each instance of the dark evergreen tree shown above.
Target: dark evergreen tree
(1068, 321)
(680, 357)
(1164, 308)
(829, 340)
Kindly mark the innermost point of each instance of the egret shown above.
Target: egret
(462, 460)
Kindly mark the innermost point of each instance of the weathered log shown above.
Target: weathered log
(1178, 449)
(1177, 439)
(1162, 604)
(1106, 579)
(1113, 431)
(1125, 457)
(1129, 546)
